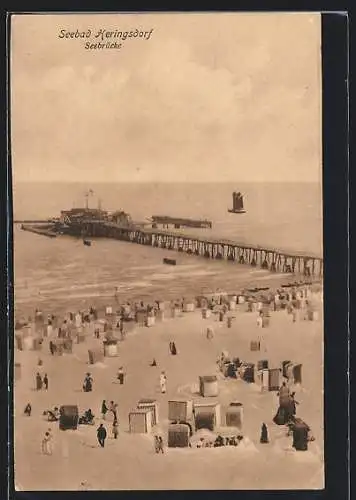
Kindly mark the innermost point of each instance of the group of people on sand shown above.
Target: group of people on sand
(41, 383)
(112, 408)
(287, 406)
(219, 441)
(101, 432)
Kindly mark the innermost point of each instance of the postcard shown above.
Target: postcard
(168, 251)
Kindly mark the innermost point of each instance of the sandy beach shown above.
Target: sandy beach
(130, 461)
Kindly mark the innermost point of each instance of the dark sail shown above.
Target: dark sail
(238, 203)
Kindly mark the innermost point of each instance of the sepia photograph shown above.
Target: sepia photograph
(168, 251)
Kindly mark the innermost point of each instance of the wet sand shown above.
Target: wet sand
(130, 462)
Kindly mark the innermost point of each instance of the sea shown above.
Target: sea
(58, 272)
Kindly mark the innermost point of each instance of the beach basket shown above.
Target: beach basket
(174, 312)
(95, 356)
(188, 307)
(68, 417)
(28, 343)
(201, 302)
(262, 364)
(229, 321)
(300, 436)
(205, 421)
(58, 347)
(208, 386)
(67, 345)
(255, 345)
(80, 337)
(248, 373)
(297, 373)
(265, 321)
(262, 378)
(111, 348)
(274, 380)
(150, 321)
(232, 305)
(178, 436)
(208, 411)
(19, 342)
(293, 372)
(285, 365)
(206, 313)
(180, 410)
(313, 315)
(234, 415)
(159, 315)
(152, 405)
(140, 421)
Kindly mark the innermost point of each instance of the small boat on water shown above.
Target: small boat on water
(171, 262)
(87, 243)
(237, 204)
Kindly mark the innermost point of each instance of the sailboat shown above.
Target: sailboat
(237, 204)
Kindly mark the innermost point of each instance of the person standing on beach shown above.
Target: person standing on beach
(163, 382)
(115, 429)
(172, 348)
(160, 448)
(45, 382)
(28, 410)
(46, 444)
(104, 409)
(264, 434)
(101, 435)
(115, 410)
(49, 328)
(88, 383)
(121, 375)
(38, 382)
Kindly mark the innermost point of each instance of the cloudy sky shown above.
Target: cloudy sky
(208, 97)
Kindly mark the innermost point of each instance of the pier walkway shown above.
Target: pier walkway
(277, 260)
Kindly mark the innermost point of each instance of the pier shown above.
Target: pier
(210, 248)
(272, 259)
(42, 230)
